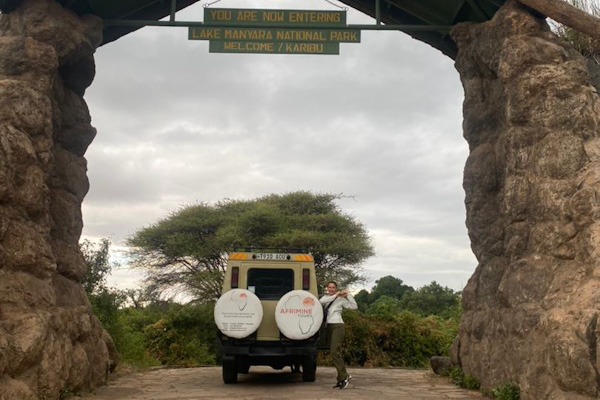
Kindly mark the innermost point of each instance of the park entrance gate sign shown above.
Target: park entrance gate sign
(231, 30)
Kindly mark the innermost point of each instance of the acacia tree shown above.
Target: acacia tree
(188, 250)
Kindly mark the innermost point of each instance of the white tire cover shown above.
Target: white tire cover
(298, 315)
(238, 313)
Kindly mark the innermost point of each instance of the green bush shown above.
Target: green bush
(360, 346)
(385, 307)
(172, 347)
(174, 334)
(183, 337)
(132, 345)
(399, 340)
(507, 391)
(463, 380)
(105, 305)
(129, 336)
(471, 382)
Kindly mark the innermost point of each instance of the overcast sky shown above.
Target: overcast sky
(381, 122)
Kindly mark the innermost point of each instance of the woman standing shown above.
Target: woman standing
(334, 302)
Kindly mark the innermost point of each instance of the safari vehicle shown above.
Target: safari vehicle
(269, 313)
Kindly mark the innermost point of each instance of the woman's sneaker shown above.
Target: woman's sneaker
(344, 384)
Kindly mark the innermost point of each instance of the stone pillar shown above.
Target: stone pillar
(532, 183)
(49, 339)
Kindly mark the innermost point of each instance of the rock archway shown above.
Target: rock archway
(531, 182)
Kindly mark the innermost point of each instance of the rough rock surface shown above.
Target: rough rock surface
(49, 339)
(532, 183)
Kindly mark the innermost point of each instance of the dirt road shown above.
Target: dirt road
(264, 383)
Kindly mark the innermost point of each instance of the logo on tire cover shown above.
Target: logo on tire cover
(241, 299)
(297, 306)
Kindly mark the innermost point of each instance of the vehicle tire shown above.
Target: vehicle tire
(244, 368)
(230, 370)
(309, 368)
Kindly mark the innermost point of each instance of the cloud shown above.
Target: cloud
(380, 122)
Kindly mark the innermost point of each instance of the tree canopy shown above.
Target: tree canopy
(390, 295)
(433, 299)
(389, 286)
(98, 265)
(188, 249)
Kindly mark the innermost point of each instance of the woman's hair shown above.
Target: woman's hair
(335, 283)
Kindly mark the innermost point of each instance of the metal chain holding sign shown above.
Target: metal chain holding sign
(210, 4)
(335, 5)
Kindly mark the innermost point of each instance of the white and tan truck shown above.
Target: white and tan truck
(269, 313)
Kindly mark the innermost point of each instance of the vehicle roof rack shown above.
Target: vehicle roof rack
(254, 249)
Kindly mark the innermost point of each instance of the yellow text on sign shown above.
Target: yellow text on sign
(275, 34)
(249, 16)
(273, 47)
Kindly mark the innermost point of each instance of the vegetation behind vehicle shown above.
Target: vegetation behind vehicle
(149, 331)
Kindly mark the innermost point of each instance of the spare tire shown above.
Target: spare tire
(298, 315)
(238, 313)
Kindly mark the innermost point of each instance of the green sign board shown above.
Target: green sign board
(242, 17)
(233, 30)
(228, 46)
(276, 34)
